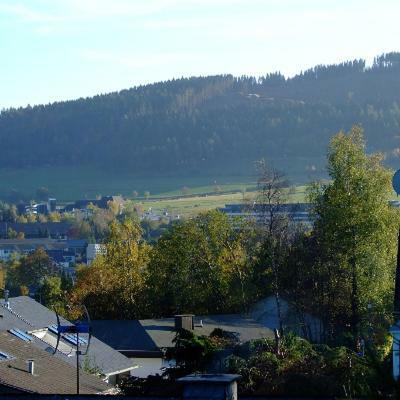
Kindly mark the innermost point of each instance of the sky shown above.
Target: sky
(53, 50)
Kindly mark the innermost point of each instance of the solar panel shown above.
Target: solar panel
(83, 340)
(21, 335)
(53, 328)
(4, 356)
(69, 337)
(24, 334)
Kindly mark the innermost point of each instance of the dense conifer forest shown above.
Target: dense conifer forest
(213, 124)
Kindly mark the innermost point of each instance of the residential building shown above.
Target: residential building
(27, 246)
(63, 252)
(93, 250)
(148, 340)
(82, 205)
(54, 230)
(27, 368)
(34, 319)
(38, 208)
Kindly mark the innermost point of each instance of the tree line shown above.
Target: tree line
(217, 123)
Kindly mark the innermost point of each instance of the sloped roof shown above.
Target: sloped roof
(29, 244)
(36, 228)
(126, 336)
(51, 374)
(35, 316)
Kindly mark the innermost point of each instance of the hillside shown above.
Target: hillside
(211, 126)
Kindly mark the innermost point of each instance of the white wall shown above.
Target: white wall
(92, 250)
(150, 366)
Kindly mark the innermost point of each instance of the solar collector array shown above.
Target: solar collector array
(21, 335)
(69, 337)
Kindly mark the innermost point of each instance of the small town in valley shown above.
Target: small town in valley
(199, 200)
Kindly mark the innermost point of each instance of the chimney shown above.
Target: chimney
(209, 386)
(31, 367)
(184, 321)
(6, 299)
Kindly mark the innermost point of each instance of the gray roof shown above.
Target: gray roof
(162, 330)
(126, 336)
(37, 229)
(51, 374)
(20, 245)
(146, 337)
(29, 315)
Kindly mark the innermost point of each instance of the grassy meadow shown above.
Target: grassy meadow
(189, 206)
(177, 194)
(69, 184)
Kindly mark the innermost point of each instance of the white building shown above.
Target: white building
(93, 250)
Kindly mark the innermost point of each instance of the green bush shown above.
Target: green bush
(295, 367)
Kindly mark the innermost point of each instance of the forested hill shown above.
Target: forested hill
(217, 124)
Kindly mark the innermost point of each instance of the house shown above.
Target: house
(63, 252)
(37, 208)
(26, 368)
(147, 340)
(82, 205)
(27, 246)
(63, 259)
(78, 247)
(32, 318)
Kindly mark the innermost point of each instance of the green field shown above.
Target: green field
(68, 184)
(189, 206)
(181, 195)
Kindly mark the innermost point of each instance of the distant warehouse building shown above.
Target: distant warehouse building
(296, 212)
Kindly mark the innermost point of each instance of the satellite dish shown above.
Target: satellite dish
(78, 334)
(396, 182)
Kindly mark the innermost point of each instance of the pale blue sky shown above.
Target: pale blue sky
(63, 49)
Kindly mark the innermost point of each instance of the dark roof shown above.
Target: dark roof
(36, 316)
(51, 374)
(8, 320)
(147, 337)
(76, 243)
(37, 229)
(101, 203)
(33, 243)
(58, 255)
(126, 336)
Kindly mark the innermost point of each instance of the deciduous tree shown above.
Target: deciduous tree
(355, 233)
